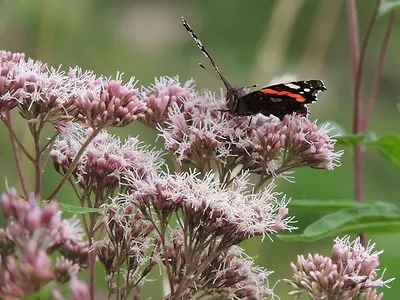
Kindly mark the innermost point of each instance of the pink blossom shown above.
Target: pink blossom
(349, 273)
(227, 211)
(164, 93)
(78, 290)
(198, 130)
(106, 159)
(32, 234)
(112, 104)
(40, 91)
(228, 274)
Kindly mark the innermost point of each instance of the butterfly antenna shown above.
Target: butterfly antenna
(203, 49)
(207, 70)
(242, 88)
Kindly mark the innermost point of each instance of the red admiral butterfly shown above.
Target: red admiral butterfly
(278, 100)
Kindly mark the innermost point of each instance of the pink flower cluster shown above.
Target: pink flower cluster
(164, 93)
(213, 209)
(218, 210)
(350, 272)
(128, 244)
(105, 161)
(33, 233)
(112, 104)
(234, 276)
(38, 90)
(47, 94)
(198, 130)
(227, 274)
(10, 90)
(273, 147)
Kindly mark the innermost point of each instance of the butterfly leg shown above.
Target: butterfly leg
(251, 119)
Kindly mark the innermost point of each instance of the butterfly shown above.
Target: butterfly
(279, 99)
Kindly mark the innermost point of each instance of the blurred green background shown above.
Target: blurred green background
(252, 42)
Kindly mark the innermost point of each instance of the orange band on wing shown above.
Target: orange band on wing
(297, 97)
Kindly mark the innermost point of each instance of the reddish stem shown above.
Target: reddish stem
(19, 144)
(358, 120)
(17, 157)
(353, 36)
(92, 262)
(378, 74)
(355, 55)
(357, 64)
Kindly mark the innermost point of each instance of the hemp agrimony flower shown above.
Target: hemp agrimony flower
(211, 219)
(105, 161)
(42, 93)
(197, 131)
(137, 215)
(128, 246)
(164, 93)
(32, 235)
(229, 274)
(111, 104)
(350, 272)
(228, 212)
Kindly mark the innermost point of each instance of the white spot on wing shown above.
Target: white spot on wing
(292, 86)
(307, 90)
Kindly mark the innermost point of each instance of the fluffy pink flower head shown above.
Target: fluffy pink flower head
(234, 275)
(274, 146)
(64, 269)
(84, 80)
(129, 241)
(78, 289)
(41, 92)
(350, 272)
(105, 159)
(34, 232)
(113, 104)
(230, 274)
(199, 130)
(229, 212)
(164, 93)
(26, 219)
(10, 88)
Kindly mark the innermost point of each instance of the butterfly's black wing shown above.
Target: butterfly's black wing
(281, 99)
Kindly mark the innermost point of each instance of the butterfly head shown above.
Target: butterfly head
(232, 96)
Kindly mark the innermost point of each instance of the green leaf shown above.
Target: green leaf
(373, 218)
(349, 140)
(354, 139)
(387, 6)
(389, 146)
(77, 209)
(333, 205)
